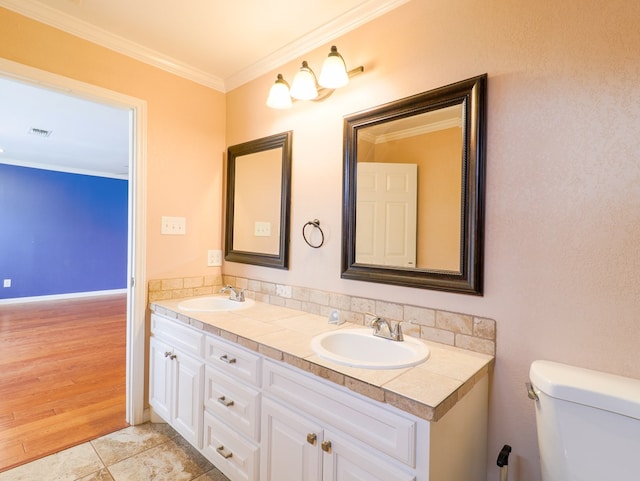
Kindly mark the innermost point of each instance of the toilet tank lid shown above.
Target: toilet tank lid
(600, 390)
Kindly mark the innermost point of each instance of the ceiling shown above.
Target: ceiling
(218, 43)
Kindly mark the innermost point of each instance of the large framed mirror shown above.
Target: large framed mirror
(258, 201)
(414, 181)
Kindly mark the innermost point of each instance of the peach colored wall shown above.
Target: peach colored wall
(439, 192)
(562, 276)
(185, 137)
(258, 184)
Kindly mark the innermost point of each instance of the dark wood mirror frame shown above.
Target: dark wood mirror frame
(281, 259)
(471, 94)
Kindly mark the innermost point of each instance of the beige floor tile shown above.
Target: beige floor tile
(174, 460)
(102, 475)
(68, 465)
(130, 441)
(213, 475)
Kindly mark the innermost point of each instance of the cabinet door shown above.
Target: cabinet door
(187, 397)
(290, 445)
(347, 460)
(160, 378)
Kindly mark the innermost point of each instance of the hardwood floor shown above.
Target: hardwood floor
(62, 375)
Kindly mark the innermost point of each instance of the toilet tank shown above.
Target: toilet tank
(588, 423)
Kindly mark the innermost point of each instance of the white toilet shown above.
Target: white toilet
(588, 423)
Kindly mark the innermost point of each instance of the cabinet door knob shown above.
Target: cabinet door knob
(225, 402)
(312, 438)
(172, 357)
(326, 446)
(167, 353)
(226, 359)
(223, 452)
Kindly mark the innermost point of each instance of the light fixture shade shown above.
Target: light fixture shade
(334, 71)
(279, 97)
(304, 84)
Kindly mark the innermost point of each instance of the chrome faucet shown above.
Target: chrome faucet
(234, 294)
(393, 333)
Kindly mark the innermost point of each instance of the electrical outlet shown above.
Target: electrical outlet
(214, 258)
(174, 225)
(262, 229)
(283, 291)
(6, 283)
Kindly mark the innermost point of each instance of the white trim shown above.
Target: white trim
(59, 297)
(62, 168)
(136, 309)
(411, 132)
(79, 28)
(351, 20)
(354, 18)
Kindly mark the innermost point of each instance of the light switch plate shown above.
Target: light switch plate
(173, 225)
(262, 229)
(6, 283)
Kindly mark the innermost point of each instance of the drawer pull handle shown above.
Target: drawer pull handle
(225, 402)
(224, 453)
(326, 446)
(312, 438)
(226, 359)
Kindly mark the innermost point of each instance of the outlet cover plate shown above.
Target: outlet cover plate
(214, 258)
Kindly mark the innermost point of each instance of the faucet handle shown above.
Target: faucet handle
(371, 319)
(397, 332)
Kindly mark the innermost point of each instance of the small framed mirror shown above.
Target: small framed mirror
(414, 179)
(258, 201)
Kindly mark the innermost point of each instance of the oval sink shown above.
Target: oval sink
(213, 304)
(360, 348)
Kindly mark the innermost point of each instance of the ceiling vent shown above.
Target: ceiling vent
(40, 132)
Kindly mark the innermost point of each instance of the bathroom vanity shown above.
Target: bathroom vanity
(246, 390)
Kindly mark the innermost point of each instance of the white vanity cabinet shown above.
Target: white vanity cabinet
(312, 431)
(176, 376)
(232, 409)
(258, 419)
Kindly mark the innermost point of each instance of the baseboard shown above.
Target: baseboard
(57, 297)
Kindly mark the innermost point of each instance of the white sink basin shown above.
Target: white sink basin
(213, 304)
(360, 348)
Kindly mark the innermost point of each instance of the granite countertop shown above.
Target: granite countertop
(427, 390)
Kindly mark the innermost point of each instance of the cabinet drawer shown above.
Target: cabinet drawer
(233, 360)
(362, 419)
(236, 404)
(181, 337)
(235, 456)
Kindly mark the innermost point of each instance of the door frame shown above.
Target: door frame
(136, 265)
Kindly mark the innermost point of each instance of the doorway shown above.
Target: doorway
(136, 277)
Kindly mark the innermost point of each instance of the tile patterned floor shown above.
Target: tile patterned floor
(137, 453)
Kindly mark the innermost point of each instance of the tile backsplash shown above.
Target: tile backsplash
(465, 331)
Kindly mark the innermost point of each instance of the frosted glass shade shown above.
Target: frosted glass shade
(279, 97)
(304, 84)
(334, 71)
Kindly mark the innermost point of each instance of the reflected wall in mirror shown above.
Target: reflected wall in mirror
(258, 201)
(414, 190)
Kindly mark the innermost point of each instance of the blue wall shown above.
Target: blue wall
(61, 233)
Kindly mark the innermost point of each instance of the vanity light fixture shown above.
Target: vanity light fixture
(279, 97)
(306, 86)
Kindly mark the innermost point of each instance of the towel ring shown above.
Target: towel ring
(315, 223)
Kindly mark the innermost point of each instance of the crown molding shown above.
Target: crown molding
(67, 23)
(410, 132)
(345, 23)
